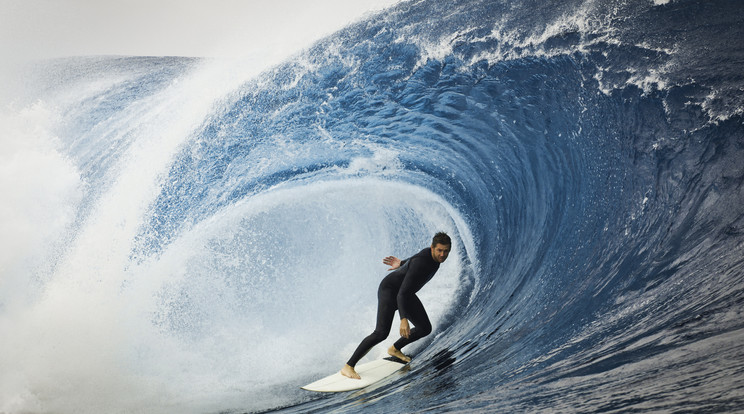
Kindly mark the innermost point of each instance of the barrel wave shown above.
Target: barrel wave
(186, 236)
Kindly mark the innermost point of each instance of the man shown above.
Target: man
(397, 291)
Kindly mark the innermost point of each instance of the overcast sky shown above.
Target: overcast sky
(32, 29)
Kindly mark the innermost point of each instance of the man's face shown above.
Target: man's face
(439, 252)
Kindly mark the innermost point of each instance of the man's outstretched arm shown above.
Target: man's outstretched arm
(393, 262)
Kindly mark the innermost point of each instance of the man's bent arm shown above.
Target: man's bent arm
(412, 282)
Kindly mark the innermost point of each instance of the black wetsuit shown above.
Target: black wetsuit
(398, 292)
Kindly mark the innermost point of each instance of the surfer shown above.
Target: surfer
(397, 291)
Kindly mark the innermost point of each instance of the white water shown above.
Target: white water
(64, 326)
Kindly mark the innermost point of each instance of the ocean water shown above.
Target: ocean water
(184, 235)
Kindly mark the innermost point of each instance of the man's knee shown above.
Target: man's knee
(423, 330)
(380, 335)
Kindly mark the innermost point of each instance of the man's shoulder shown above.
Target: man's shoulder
(424, 254)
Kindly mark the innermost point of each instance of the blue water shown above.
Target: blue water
(209, 240)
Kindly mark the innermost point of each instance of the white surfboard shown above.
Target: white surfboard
(371, 372)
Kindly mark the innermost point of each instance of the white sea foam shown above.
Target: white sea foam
(41, 188)
(67, 330)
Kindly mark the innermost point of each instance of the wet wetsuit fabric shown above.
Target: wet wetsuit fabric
(397, 291)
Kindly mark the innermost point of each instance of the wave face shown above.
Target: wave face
(185, 237)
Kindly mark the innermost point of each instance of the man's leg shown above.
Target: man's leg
(386, 307)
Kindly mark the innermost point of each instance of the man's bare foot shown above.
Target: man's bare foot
(392, 351)
(348, 371)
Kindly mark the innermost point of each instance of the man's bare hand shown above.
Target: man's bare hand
(392, 261)
(405, 329)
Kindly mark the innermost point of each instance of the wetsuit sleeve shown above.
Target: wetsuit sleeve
(414, 280)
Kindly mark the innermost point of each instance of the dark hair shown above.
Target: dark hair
(441, 238)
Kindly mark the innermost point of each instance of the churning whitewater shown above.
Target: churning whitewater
(180, 235)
